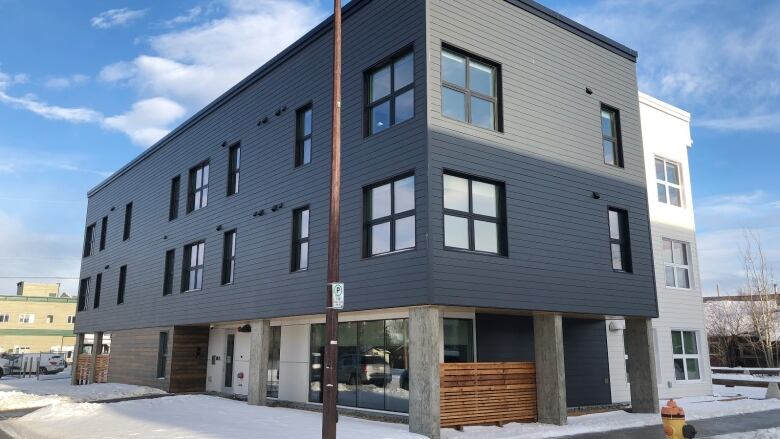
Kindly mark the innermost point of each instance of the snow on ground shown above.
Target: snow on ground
(771, 433)
(745, 377)
(26, 393)
(189, 417)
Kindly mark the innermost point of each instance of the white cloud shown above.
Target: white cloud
(54, 112)
(188, 17)
(66, 81)
(759, 122)
(119, 71)
(148, 120)
(116, 17)
(18, 161)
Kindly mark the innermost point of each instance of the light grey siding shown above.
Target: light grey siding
(264, 286)
(549, 156)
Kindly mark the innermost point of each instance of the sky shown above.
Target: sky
(87, 86)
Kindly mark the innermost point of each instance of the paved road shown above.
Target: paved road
(705, 427)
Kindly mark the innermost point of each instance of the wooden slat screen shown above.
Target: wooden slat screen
(84, 368)
(487, 393)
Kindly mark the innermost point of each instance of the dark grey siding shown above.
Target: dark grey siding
(264, 286)
(550, 158)
(134, 357)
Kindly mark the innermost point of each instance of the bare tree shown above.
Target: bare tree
(760, 300)
(726, 329)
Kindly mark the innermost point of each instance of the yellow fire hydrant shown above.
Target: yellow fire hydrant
(674, 422)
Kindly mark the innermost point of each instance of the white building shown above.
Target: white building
(682, 355)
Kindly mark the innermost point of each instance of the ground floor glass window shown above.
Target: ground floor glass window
(272, 387)
(686, 355)
(458, 341)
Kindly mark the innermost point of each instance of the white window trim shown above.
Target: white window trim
(685, 356)
(27, 319)
(675, 265)
(668, 184)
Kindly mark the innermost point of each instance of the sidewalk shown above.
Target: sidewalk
(705, 427)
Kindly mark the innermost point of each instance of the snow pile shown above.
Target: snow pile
(745, 377)
(30, 393)
(771, 433)
(190, 416)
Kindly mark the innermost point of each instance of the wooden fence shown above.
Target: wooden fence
(487, 393)
(84, 369)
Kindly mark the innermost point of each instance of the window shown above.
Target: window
(686, 355)
(128, 221)
(71, 319)
(4, 318)
(234, 163)
(103, 233)
(229, 257)
(27, 318)
(390, 93)
(619, 240)
(389, 216)
(469, 89)
(303, 128)
(458, 341)
(272, 388)
(300, 250)
(610, 136)
(170, 257)
(198, 195)
(98, 282)
(474, 215)
(49, 319)
(120, 295)
(667, 175)
(173, 207)
(83, 294)
(676, 265)
(89, 240)
(162, 354)
(192, 275)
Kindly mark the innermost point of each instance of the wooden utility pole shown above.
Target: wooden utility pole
(330, 387)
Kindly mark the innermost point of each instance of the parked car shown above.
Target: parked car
(51, 363)
(363, 370)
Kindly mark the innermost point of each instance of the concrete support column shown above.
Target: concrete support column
(426, 352)
(550, 373)
(74, 377)
(97, 348)
(258, 361)
(641, 365)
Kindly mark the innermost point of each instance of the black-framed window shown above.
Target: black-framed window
(89, 240)
(120, 294)
(458, 340)
(474, 217)
(389, 210)
(83, 293)
(98, 282)
(272, 386)
(192, 272)
(103, 232)
(170, 258)
(162, 354)
(234, 165)
(198, 187)
(303, 129)
(611, 138)
(173, 204)
(128, 221)
(300, 244)
(470, 89)
(390, 92)
(619, 240)
(228, 257)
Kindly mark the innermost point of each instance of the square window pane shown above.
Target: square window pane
(606, 123)
(456, 193)
(305, 224)
(404, 194)
(380, 238)
(674, 196)
(482, 114)
(609, 152)
(680, 255)
(693, 368)
(617, 257)
(307, 123)
(662, 193)
(670, 277)
(672, 175)
(404, 71)
(485, 236)
(614, 225)
(306, 151)
(679, 369)
(682, 278)
(689, 341)
(404, 106)
(481, 78)
(677, 343)
(456, 232)
(453, 68)
(380, 117)
(453, 103)
(380, 84)
(404, 233)
(659, 170)
(380, 201)
(483, 197)
(303, 259)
